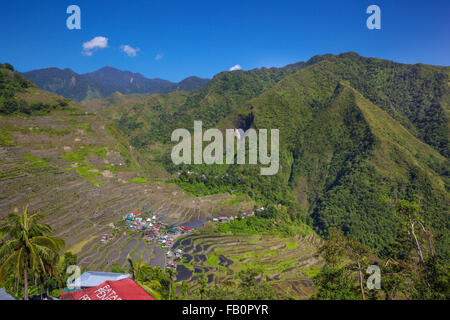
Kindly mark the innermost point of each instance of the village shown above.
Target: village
(154, 229)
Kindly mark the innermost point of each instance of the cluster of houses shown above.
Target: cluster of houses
(159, 231)
(106, 237)
(204, 177)
(153, 229)
(173, 257)
(244, 215)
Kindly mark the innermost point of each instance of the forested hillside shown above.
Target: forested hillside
(354, 133)
(19, 95)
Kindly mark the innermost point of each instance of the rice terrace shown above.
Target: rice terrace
(220, 150)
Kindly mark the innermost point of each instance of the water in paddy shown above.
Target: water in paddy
(195, 224)
(125, 251)
(187, 258)
(138, 251)
(200, 258)
(225, 261)
(183, 273)
(163, 215)
(158, 258)
(198, 270)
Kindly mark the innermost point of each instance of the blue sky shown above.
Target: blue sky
(206, 37)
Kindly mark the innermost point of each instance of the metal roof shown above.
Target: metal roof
(95, 278)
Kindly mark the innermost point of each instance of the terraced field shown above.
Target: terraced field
(289, 263)
(68, 167)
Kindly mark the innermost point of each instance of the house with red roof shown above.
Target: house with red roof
(125, 289)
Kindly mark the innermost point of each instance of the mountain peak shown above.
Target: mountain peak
(105, 81)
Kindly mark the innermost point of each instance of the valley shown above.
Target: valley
(363, 155)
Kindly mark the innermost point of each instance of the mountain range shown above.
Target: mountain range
(104, 82)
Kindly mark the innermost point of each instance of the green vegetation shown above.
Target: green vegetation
(410, 268)
(244, 286)
(158, 283)
(12, 83)
(80, 162)
(6, 140)
(285, 265)
(29, 252)
(354, 132)
(138, 180)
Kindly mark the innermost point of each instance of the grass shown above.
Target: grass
(6, 139)
(236, 199)
(86, 127)
(138, 180)
(84, 152)
(291, 245)
(83, 168)
(77, 248)
(35, 161)
(50, 131)
(212, 260)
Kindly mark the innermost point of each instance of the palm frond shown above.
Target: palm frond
(8, 247)
(6, 266)
(53, 243)
(155, 294)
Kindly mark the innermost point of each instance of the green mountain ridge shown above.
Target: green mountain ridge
(332, 137)
(353, 131)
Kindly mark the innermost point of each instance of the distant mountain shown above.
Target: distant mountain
(104, 82)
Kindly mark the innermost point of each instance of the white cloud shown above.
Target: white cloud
(130, 51)
(235, 67)
(94, 44)
(159, 56)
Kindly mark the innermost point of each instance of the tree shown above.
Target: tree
(359, 255)
(203, 285)
(28, 248)
(9, 66)
(142, 274)
(172, 276)
(410, 210)
(343, 258)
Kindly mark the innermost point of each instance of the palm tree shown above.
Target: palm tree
(28, 247)
(140, 272)
(172, 277)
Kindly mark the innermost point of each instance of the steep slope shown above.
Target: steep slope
(342, 155)
(354, 131)
(415, 95)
